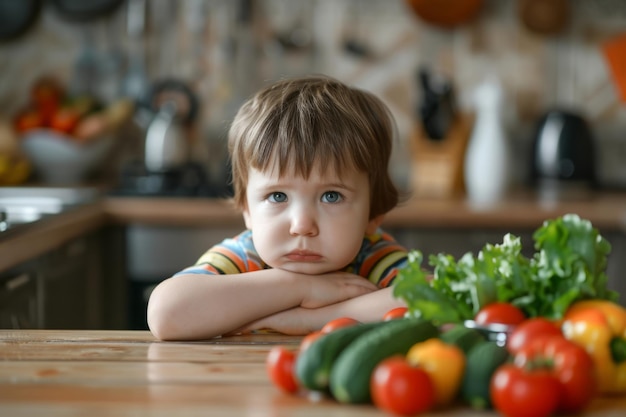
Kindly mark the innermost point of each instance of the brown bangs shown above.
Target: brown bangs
(297, 140)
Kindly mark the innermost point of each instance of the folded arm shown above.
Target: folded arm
(299, 320)
(188, 307)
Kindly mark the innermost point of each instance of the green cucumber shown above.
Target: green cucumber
(351, 372)
(314, 364)
(482, 361)
(463, 337)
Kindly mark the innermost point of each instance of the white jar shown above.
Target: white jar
(486, 168)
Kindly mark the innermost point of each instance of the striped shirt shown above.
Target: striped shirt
(378, 260)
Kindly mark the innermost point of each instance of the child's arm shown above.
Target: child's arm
(199, 307)
(365, 308)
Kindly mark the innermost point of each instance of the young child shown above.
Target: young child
(310, 174)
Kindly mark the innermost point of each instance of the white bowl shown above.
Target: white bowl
(60, 159)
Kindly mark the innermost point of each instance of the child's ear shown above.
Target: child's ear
(374, 224)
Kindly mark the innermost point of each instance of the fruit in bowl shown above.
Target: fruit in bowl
(60, 159)
(67, 136)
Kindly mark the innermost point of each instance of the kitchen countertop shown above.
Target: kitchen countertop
(33, 239)
(607, 211)
(129, 373)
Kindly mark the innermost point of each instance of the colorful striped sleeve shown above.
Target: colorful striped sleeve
(380, 259)
(231, 256)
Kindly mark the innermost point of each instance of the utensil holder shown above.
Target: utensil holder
(437, 165)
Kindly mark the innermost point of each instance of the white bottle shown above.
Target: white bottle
(486, 159)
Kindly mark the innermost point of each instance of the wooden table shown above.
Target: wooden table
(128, 373)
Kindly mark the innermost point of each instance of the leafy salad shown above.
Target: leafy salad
(569, 264)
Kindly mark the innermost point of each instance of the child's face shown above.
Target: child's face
(310, 226)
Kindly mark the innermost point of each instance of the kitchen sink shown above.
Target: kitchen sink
(19, 205)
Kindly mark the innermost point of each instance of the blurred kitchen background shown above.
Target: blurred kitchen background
(514, 105)
(187, 66)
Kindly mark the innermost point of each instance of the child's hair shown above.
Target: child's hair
(310, 122)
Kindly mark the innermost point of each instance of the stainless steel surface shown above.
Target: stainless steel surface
(156, 252)
(20, 205)
(67, 195)
(494, 331)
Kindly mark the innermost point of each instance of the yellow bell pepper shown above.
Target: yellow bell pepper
(600, 327)
(445, 365)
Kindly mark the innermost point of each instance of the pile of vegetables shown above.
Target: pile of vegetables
(406, 366)
(568, 265)
(564, 336)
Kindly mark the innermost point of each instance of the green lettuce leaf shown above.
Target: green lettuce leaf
(569, 264)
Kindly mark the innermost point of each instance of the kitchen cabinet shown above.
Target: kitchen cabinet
(20, 300)
(70, 285)
(60, 289)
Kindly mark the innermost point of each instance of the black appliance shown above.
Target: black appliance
(563, 153)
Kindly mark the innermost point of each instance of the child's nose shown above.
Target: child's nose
(303, 222)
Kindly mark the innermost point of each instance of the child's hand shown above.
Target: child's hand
(333, 287)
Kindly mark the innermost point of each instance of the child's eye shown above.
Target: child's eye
(277, 197)
(331, 197)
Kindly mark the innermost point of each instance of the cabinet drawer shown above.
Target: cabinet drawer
(20, 304)
(65, 260)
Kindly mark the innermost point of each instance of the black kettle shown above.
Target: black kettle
(563, 149)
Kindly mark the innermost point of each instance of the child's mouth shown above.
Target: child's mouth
(304, 256)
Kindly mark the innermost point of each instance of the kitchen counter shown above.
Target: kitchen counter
(607, 211)
(128, 373)
(33, 239)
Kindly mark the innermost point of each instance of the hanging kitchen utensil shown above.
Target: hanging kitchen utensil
(446, 14)
(86, 76)
(544, 17)
(135, 82)
(355, 43)
(81, 10)
(16, 17)
(91, 67)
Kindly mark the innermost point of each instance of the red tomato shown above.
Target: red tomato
(517, 392)
(530, 329)
(395, 313)
(308, 339)
(399, 388)
(28, 119)
(280, 368)
(339, 323)
(65, 120)
(569, 362)
(500, 312)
